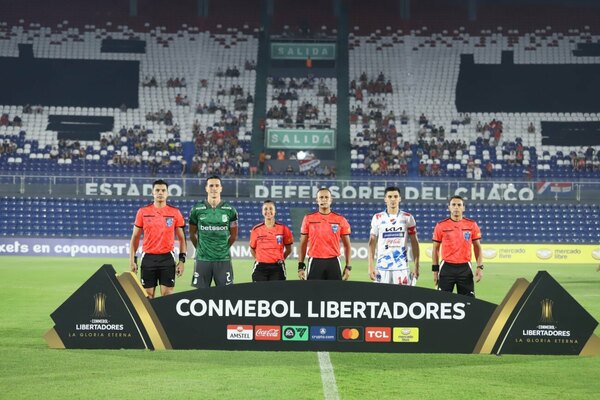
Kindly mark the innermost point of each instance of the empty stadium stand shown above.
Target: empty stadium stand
(112, 218)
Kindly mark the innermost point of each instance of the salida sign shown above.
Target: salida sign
(111, 312)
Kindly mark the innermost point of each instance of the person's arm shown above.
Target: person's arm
(479, 259)
(416, 253)
(233, 233)
(347, 256)
(371, 256)
(133, 246)
(194, 235)
(435, 260)
(182, 251)
(598, 269)
(302, 256)
(287, 251)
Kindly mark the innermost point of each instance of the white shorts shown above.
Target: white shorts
(397, 277)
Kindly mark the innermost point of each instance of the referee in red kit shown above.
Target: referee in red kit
(456, 235)
(159, 222)
(321, 233)
(270, 244)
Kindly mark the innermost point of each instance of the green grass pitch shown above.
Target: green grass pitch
(34, 287)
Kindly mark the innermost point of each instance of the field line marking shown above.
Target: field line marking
(330, 390)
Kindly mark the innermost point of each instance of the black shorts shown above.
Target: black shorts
(207, 271)
(268, 272)
(158, 268)
(459, 275)
(324, 269)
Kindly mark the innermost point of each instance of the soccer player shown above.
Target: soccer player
(321, 233)
(389, 232)
(270, 244)
(456, 235)
(213, 229)
(158, 222)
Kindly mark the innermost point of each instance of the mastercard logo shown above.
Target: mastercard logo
(544, 254)
(490, 253)
(350, 333)
(596, 254)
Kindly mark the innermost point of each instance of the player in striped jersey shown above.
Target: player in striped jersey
(388, 252)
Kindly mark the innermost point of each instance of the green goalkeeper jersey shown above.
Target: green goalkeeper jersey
(213, 230)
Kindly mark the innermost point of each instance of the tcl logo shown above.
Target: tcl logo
(378, 334)
(267, 332)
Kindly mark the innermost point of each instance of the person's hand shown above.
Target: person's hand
(179, 268)
(435, 278)
(417, 270)
(372, 273)
(301, 270)
(133, 265)
(346, 274)
(478, 274)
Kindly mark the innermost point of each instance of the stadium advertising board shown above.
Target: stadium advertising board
(112, 312)
(301, 51)
(504, 253)
(305, 189)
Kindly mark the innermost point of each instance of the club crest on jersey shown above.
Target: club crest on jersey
(224, 217)
(467, 235)
(335, 227)
(279, 239)
(169, 221)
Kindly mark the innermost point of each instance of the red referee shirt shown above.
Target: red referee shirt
(457, 238)
(158, 225)
(269, 243)
(324, 233)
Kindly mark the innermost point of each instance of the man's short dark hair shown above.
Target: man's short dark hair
(269, 201)
(324, 188)
(159, 182)
(457, 198)
(213, 177)
(391, 189)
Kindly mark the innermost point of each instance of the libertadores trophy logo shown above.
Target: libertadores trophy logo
(100, 305)
(546, 316)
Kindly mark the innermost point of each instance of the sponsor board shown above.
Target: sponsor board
(267, 332)
(110, 312)
(323, 333)
(350, 334)
(406, 335)
(378, 334)
(532, 253)
(295, 333)
(239, 332)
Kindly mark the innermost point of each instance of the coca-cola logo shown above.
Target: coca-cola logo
(267, 332)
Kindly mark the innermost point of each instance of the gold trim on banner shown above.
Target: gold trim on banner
(592, 347)
(54, 341)
(498, 320)
(145, 312)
